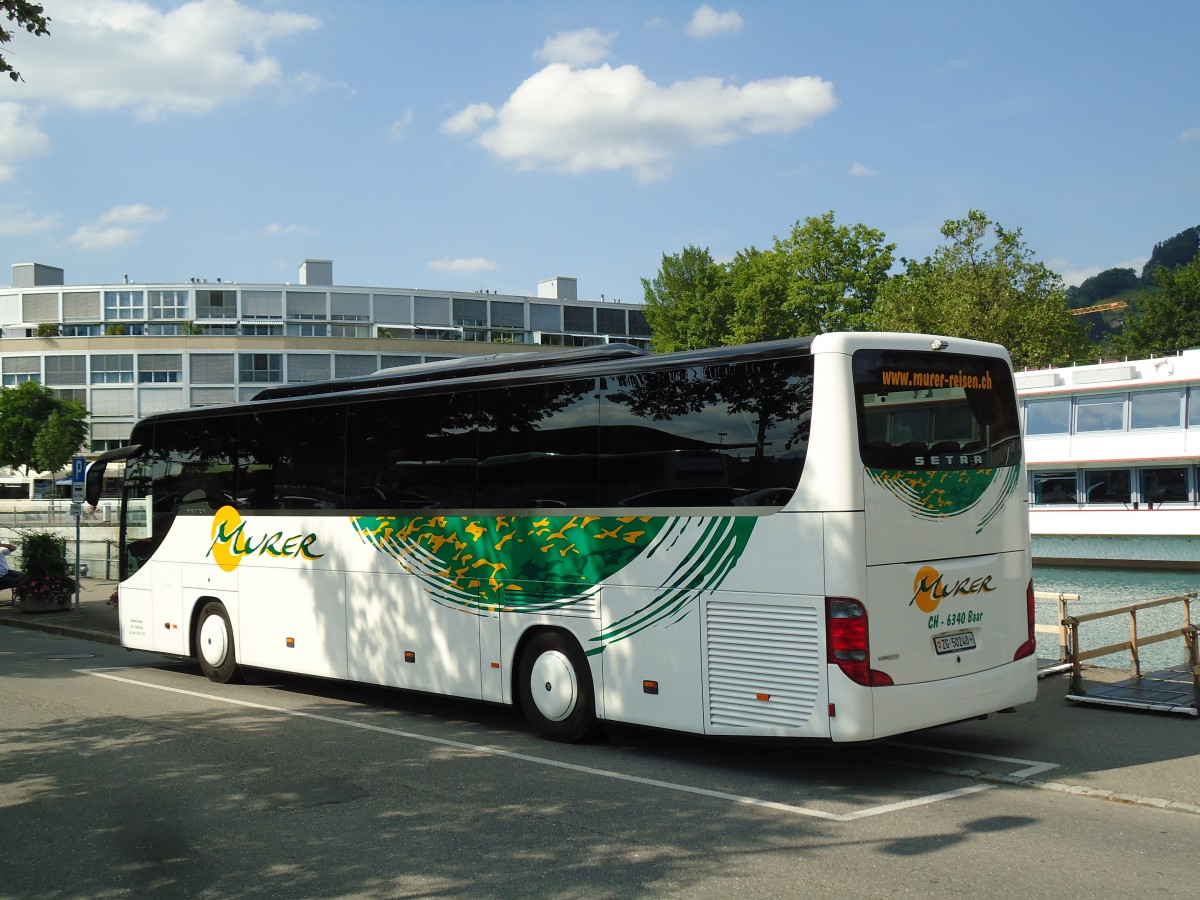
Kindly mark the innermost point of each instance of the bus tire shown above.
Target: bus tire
(214, 644)
(555, 687)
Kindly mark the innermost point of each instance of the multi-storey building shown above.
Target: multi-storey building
(127, 350)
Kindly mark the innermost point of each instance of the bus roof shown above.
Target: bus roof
(502, 368)
(491, 364)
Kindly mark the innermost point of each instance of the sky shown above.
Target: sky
(490, 145)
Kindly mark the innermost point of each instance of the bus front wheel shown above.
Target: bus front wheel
(555, 685)
(214, 644)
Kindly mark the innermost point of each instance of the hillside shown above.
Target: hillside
(1127, 286)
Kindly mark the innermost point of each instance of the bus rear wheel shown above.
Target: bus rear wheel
(555, 686)
(214, 644)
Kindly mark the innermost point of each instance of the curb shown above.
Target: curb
(1074, 790)
(87, 634)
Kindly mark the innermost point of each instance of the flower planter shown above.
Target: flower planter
(46, 585)
(42, 602)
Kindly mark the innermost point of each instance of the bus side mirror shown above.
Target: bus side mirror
(93, 482)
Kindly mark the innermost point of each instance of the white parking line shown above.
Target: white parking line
(1032, 767)
(602, 773)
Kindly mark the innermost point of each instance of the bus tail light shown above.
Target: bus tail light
(1030, 646)
(848, 644)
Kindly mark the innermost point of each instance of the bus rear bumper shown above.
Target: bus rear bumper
(898, 709)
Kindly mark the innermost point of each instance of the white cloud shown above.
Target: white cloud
(398, 130)
(114, 54)
(708, 23)
(20, 138)
(275, 228)
(134, 214)
(463, 266)
(605, 118)
(858, 170)
(577, 48)
(468, 119)
(1075, 277)
(115, 227)
(1190, 135)
(15, 221)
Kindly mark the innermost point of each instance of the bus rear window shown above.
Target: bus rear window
(935, 411)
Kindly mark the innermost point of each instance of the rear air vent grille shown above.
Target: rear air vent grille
(763, 664)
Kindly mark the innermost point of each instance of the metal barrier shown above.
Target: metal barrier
(1187, 632)
(1061, 628)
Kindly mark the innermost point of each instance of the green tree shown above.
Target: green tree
(821, 277)
(1168, 319)
(759, 283)
(39, 431)
(1101, 287)
(1172, 253)
(20, 14)
(688, 303)
(997, 293)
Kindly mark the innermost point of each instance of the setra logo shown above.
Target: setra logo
(930, 588)
(231, 544)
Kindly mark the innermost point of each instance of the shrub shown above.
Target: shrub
(47, 574)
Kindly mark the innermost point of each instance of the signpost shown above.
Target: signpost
(78, 474)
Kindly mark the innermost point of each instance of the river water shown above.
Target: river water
(1102, 589)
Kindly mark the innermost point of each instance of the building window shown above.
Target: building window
(1048, 416)
(1193, 407)
(164, 329)
(578, 319)
(66, 370)
(508, 314)
(168, 304)
(212, 368)
(165, 368)
(1156, 409)
(216, 304)
(121, 328)
(431, 311)
(638, 324)
(470, 311)
(112, 368)
(1103, 413)
(21, 368)
(1166, 485)
(346, 366)
(545, 317)
(81, 330)
(212, 396)
(217, 329)
(1054, 488)
(262, 330)
(1107, 486)
(124, 306)
(78, 395)
(316, 330)
(308, 367)
(350, 331)
(610, 321)
(260, 367)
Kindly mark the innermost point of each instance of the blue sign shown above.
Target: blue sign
(78, 469)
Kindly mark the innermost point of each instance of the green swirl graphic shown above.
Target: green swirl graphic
(545, 563)
(934, 494)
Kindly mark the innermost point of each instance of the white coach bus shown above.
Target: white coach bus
(818, 538)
